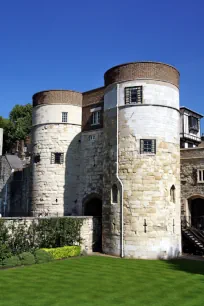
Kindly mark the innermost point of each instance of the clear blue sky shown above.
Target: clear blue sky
(70, 44)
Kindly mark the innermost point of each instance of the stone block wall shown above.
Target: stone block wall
(91, 166)
(192, 159)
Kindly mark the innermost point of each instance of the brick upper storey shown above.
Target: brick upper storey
(68, 97)
(142, 70)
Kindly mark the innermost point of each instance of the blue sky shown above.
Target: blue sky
(70, 44)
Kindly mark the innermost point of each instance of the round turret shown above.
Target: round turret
(55, 163)
(141, 192)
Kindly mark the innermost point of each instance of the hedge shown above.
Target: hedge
(42, 256)
(64, 252)
(27, 258)
(12, 261)
(16, 238)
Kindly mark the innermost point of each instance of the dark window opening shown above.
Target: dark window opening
(57, 158)
(148, 146)
(193, 124)
(172, 194)
(36, 158)
(114, 194)
(18, 176)
(133, 95)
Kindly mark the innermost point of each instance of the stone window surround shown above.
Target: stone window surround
(57, 158)
(114, 194)
(200, 176)
(96, 116)
(153, 146)
(128, 94)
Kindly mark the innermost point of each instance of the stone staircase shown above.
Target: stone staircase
(194, 236)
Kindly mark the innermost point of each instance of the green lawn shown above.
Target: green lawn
(104, 281)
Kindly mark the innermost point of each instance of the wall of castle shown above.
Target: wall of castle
(53, 114)
(192, 159)
(91, 166)
(5, 179)
(20, 193)
(147, 179)
(55, 186)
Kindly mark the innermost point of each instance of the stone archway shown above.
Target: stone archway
(196, 211)
(92, 206)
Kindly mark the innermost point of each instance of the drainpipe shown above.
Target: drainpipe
(118, 178)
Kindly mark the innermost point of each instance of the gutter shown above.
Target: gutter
(119, 180)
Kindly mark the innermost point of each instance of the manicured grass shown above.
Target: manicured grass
(103, 281)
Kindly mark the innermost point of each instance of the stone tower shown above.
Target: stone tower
(56, 152)
(141, 182)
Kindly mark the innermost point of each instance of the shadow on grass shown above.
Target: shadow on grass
(186, 265)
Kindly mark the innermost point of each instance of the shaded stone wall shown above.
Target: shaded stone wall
(91, 166)
(20, 193)
(192, 159)
(5, 179)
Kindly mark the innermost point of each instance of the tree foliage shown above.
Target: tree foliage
(18, 126)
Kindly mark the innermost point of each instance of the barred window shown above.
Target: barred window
(92, 137)
(64, 116)
(133, 95)
(57, 158)
(200, 175)
(96, 117)
(148, 146)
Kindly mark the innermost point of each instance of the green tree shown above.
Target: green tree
(18, 126)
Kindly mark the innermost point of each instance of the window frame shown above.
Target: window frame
(153, 147)
(200, 176)
(60, 160)
(114, 197)
(96, 118)
(139, 95)
(191, 126)
(64, 117)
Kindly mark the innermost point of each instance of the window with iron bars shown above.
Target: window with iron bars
(64, 116)
(57, 158)
(133, 95)
(148, 146)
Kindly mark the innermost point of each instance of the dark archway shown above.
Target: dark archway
(92, 206)
(197, 212)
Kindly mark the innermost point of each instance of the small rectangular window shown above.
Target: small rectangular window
(200, 175)
(57, 158)
(64, 116)
(193, 124)
(96, 118)
(92, 137)
(148, 146)
(133, 95)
